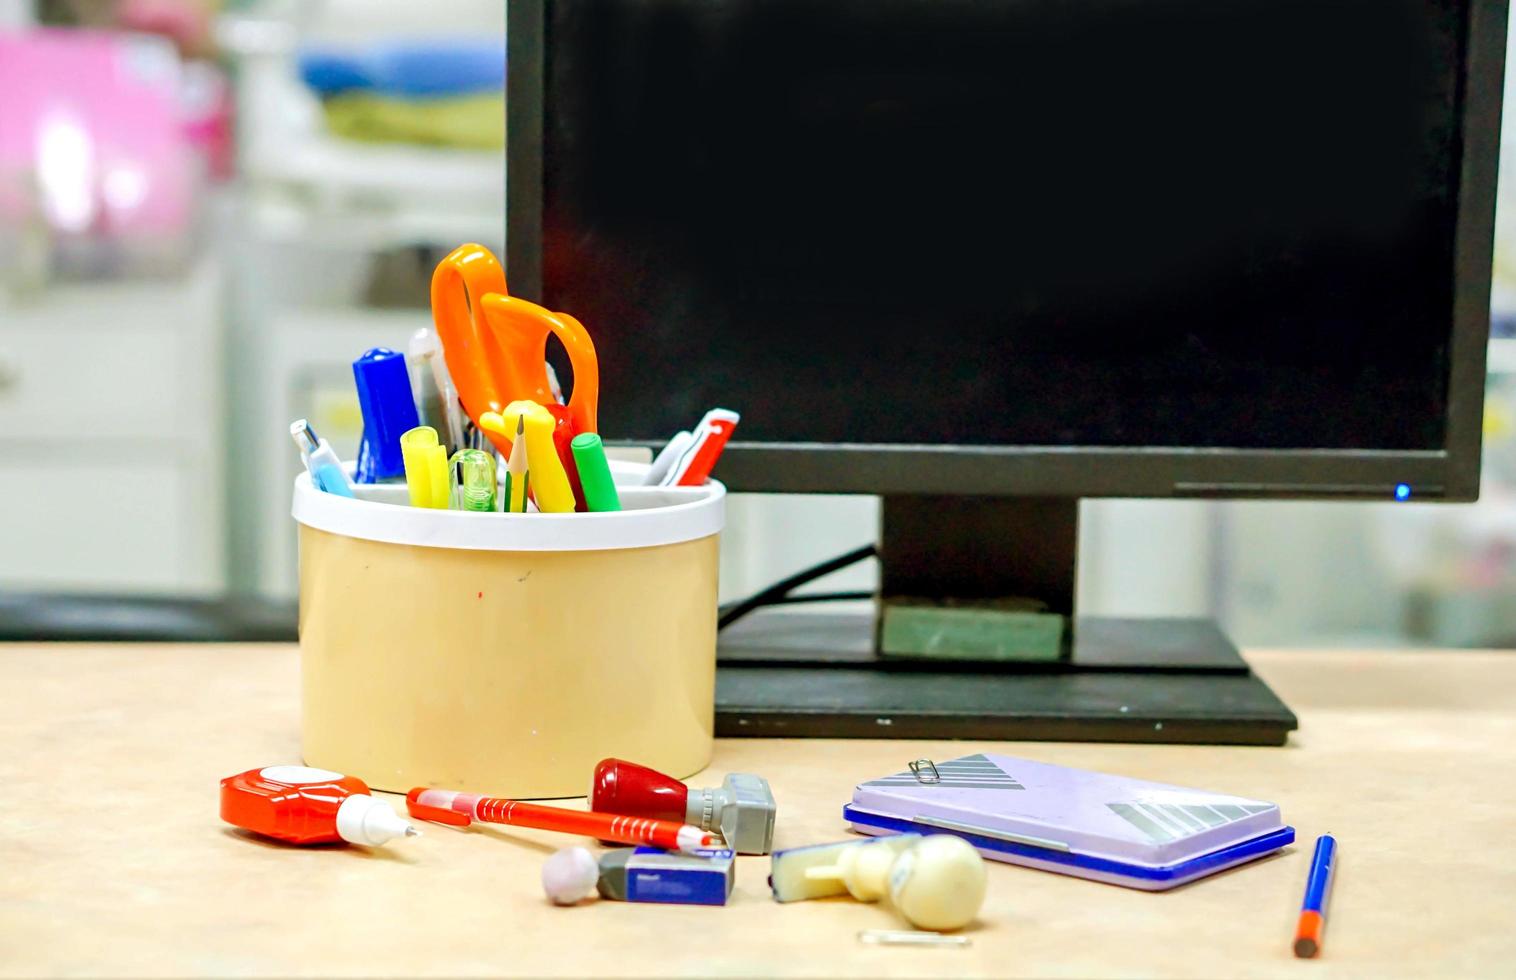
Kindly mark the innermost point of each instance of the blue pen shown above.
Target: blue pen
(1318, 888)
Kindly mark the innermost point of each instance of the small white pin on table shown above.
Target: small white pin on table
(115, 862)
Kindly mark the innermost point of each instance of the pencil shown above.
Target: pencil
(1318, 888)
(516, 475)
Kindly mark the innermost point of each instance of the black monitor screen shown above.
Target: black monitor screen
(1010, 222)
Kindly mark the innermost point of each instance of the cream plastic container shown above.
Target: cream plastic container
(507, 653)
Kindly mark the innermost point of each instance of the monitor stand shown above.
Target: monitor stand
(820, 674)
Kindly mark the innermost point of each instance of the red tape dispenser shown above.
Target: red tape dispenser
(301, 805)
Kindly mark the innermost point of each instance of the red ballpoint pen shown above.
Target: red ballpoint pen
(460, 809)
(695, 462)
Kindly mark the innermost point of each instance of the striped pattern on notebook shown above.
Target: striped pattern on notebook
(1162, 822)
(969, 772)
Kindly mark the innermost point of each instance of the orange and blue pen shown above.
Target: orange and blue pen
(1318, 888)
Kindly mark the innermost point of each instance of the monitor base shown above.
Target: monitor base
(988, 579)
(816, 675)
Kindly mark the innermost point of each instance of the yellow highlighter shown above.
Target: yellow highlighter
(426, 473)
(550, 484)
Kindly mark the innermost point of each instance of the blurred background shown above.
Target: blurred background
(208, 209)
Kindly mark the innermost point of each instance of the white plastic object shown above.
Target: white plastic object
(938, 882)
(864, 871)
(650, 516)
(800, 873)
(323, 459)
(570, 875)
(667, 457)
(363, 819)
(908, 937)
(431, 384)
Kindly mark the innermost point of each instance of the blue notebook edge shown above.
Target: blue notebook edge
(1170, 875)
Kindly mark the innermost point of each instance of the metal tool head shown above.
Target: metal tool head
(743, 809)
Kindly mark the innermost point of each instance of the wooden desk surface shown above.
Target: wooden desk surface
(113, 861)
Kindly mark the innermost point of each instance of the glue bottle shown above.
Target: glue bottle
(301, 805)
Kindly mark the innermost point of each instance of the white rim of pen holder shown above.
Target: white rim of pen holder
(650, 516)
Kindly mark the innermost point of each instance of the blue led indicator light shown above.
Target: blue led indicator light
(1402, 491)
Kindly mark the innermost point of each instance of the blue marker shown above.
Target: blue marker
(389, 411)
(1318, 888)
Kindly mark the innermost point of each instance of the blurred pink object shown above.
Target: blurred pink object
(92, 136)
(206, 103)
(186, 22)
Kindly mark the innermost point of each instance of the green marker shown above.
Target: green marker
(594, 473)
(473, 480)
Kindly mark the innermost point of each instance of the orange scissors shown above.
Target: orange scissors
(495, 344)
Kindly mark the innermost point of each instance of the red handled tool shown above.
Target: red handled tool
(742, 807)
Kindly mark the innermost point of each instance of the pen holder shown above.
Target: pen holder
(507, 653)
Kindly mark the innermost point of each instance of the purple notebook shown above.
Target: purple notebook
(1110, 828)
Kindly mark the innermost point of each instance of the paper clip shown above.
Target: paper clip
(920, 768)
(907, 937)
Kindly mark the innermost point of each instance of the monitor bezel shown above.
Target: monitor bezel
(1451, 473)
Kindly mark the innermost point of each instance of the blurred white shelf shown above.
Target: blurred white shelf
(111, 451)
(1502, 356)
(304, 185)
(347, 194)
(108, 301)
(279, 219)
(398, 171)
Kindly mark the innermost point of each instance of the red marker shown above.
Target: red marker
(461, 809)
(694, 465)
(563, 437)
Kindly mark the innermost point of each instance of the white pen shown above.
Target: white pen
(698, 458)
(665, 460)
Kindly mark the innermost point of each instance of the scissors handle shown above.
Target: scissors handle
(473, 356)
(522, 327)
(496, 344)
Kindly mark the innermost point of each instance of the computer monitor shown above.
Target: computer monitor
(986, 257)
